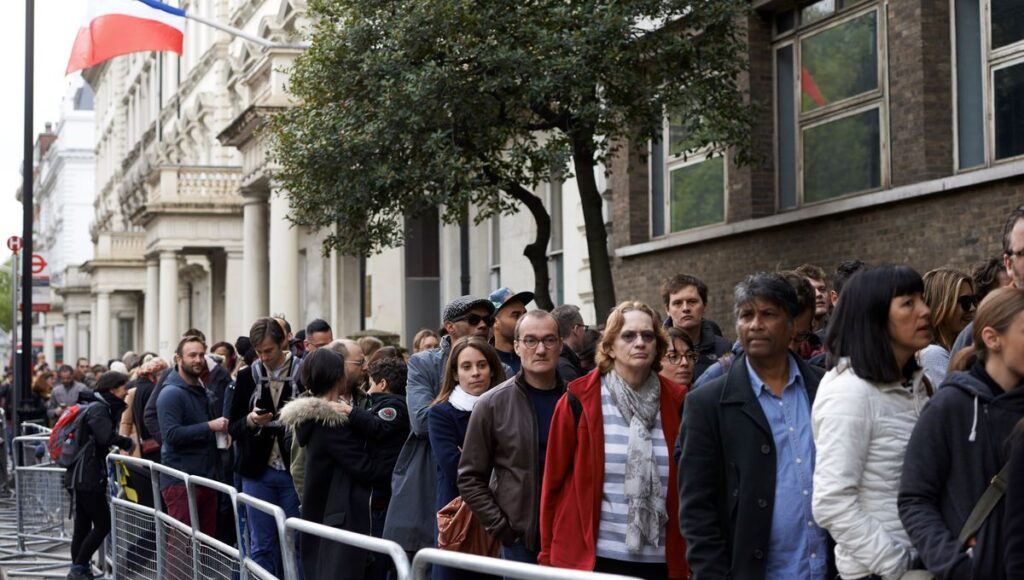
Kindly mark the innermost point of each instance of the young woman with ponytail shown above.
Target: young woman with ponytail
(961, 441)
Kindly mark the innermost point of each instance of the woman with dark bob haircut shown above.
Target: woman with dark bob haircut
(340, 469)
(864, 412)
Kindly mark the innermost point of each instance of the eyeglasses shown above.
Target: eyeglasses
(474, 319)
(629, 336)
(531, 342)
(674, 358)
(967, 302)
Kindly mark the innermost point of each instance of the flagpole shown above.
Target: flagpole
(23, 387)
(242, 34)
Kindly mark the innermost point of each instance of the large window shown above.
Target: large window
(830, 101)
(989, 45)
(687, 184)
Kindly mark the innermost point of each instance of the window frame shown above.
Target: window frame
(673, 162)
(845, 107)
(993, 59)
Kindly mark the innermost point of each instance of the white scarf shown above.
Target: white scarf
(462, 400)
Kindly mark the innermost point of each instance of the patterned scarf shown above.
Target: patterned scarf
(646, 516)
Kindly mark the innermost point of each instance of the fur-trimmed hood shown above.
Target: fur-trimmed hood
(305, 409)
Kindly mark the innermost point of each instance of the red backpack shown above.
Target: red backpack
(64, 443)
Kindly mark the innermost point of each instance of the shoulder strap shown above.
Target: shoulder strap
(575, 405)
(985, 505)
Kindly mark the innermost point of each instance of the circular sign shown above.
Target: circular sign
(14, 243)
(38, 264)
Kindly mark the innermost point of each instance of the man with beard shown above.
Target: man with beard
(189, 427)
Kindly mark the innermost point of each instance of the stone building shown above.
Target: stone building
(888, 132)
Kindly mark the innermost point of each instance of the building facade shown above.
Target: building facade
(64, 195)
(191, 230)
(888, 132)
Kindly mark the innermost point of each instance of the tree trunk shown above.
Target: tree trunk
(537, 251)
(593, 219)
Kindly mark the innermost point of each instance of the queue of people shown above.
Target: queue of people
(852, 430)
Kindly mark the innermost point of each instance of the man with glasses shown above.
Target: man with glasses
(1013, 261)
(508, 435)
(571, 329)
(355, 364)
(412, 519)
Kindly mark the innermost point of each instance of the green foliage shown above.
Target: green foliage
(5, 296)
(455, 102)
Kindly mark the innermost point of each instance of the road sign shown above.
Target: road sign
(38, 264)
(14, 244)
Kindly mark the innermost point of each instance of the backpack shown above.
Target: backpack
(64, 443)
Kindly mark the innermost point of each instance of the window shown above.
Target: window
(125, 334)
(687, 184)
(495, 251)
(830, 112)
(989, 81)
(556, 261)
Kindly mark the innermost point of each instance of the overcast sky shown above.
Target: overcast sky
(57, 22)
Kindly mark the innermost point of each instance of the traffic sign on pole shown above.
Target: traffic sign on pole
(38, 264)
(14, 244)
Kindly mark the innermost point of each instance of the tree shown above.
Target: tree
(460, 102)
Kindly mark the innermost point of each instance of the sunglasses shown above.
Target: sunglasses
(629, 336)
(967, 302)
(474, 319)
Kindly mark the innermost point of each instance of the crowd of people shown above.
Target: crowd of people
(864, 424)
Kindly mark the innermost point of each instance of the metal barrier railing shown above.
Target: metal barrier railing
(481, 564)
(378, 545)
(288, 559)
(148, 543)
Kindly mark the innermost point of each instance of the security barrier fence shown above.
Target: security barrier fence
(146, 542)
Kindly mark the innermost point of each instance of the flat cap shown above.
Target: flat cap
(463, 304)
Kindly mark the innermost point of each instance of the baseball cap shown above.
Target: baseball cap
(503, 296)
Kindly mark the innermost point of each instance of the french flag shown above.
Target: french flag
(116, 27)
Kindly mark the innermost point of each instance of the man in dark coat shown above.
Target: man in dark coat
(685, 298)
(730, 481)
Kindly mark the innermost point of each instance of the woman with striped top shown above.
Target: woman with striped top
(606, 503)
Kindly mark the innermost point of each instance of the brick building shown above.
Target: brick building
(888, 131)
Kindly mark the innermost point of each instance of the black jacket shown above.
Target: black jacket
(726, 476)
(386, 426)
(960, 442)
(569, 368)
(256, 443)
(96, 434)
(1014, 529)
(340, 474)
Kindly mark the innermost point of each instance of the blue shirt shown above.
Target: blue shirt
(797, 547)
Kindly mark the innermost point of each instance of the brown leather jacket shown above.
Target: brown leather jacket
(502, 437)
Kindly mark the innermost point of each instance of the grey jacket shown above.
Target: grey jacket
(62, 396)
(411, 519)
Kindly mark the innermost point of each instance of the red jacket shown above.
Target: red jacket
(570, 502)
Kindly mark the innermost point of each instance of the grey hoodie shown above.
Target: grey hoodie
(960, 442)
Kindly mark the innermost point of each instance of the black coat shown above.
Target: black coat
(385, 424)
(959, 443)
(1014, 530)
(341, 472)
(726, 476)
(256, 443)
(97, 432)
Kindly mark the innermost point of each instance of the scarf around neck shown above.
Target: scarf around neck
(462, 400)
(646, 516)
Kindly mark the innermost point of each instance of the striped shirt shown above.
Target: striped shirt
(611, 533)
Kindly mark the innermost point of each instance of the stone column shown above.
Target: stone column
(70, 338)
(151, 306)
(345, 306)
(84, 336)
(284, 261)
(255, 263)
(94, 355)
(49, 348)
(168, 310)
(102, 331)
(234, 268)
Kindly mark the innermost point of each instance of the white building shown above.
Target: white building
(191, 228)
(64, 195)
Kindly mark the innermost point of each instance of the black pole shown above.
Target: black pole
(27, 178)
(464, 278)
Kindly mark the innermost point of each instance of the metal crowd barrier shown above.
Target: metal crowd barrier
(386, 547)
(431, 556)
(147, 543)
